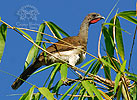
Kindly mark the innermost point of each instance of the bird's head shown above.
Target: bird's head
(94, 17)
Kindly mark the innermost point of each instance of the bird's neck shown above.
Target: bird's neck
(83, 33)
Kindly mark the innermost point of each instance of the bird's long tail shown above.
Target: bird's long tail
(25, 75)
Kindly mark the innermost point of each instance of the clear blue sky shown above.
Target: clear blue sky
(68, 14)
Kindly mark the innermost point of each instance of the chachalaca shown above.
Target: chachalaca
(72, 55)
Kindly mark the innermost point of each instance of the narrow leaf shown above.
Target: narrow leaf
(87, 63)
(44, 68)
(57, 86)
(119, 40)
(107, 64)
(108, 37)
(53, 75)
(27, 35)
(63, 71)
(39, 39)
(127, 13)
(62, 98)
(104, 95)
(54, 30)
(3, 34)
(28, 95)
(75, 91)
(96, 67)
(122, 69)
(90, 89)
(129, 18)
(36, 96)
(59, 29)
(45, 92)
(117, 79)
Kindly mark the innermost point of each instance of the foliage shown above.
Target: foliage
(89, 85)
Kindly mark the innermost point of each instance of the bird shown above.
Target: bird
(70, 54)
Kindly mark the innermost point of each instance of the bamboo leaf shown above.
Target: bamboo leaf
(129, 18)
(28, 95)
(39, 39)
(54, 30)
(117, 79)
(57, 86)
(3, 34)
(24, 33)
(96, 67)
(53, 75)
(122, 69)
(44, 68)
(119, 92)
(108, 37)
(104, 95)
(132, 78)
(107, 64)
(34, 50)
(63, 72)
(127, 13)
(36, 96)
(90, 89)
(59, 29)
(75, 91)
(119, 40)
(45, 92)
(89, 68)
(62, 98)
(87, 63)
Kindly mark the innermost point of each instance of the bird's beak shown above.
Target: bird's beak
(101, 17)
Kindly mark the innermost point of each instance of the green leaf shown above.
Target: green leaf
(45, 92)
(75, 91)
(96, 67)
(105, 95)
(129, 18)
(107, 64)
(34, 50)
(3, 34)
(63, 72)
(29, 56)
(132, 78)
(108, 37)
(90, 89)
(36, 96)
(39, 39)
(87, 63)
(119, 92)
(54, 30)
(111, 25)
(44, 68)
(28, 95)
(89, 68)
(59, 29)
(122, 69)
(45, 54)
(82, 93)
(57, 86)
(117, 79)
(24, 33)
(132, 74)
(62, 98)
(119, 40)
(53, 75)
(127, 13)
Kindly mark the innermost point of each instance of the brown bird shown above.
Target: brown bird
(72, 55)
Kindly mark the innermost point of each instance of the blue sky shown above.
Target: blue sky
(67, 14)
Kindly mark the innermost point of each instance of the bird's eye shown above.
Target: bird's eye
(94, 15)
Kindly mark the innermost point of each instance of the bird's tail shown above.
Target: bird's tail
(24, 76)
